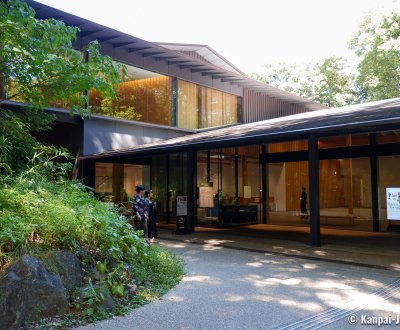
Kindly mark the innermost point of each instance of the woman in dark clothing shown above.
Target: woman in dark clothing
(152, 225)
(140, 209)
(303, 203)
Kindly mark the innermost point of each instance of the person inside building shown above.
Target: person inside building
(303, 203)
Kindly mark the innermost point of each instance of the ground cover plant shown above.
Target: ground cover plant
(38, 216)
(42, 211)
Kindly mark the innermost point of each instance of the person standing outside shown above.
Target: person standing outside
(152, 225)
(303, 203)
(139, 208)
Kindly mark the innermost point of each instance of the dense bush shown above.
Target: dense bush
(38, 214)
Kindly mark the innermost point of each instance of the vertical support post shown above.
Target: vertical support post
(264, 185)
(313, 179)
(374, 184)
(168, 211)
(191, 190)
(236, 178)
(208, 166)
(118, 171)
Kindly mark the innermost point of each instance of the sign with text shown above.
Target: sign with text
(393, 203)
(181, 205)
(206, 198)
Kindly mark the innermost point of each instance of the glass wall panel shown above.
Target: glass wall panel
(345, 193)
(177, 180)
(133, 176)
(228, 182)
(388, 137)
(208, 185)
(249, 183)
(288, 146)
(285, 183)
(217, 108)
(159, 185)
(187, 105)
(104, 179)
(143, 95)
(343, 141)
(117, 182)
(388, 177)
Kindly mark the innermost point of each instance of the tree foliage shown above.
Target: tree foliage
(377, 44)
(332, 83)
(41, 66)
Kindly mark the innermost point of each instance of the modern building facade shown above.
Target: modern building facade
(187, 122)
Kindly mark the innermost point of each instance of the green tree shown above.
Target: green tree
(327, 82)
(331, 82)
(40, 66)
(377, 44)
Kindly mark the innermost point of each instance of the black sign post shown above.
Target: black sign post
(181, 215)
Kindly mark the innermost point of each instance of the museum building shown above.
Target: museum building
(193, 127)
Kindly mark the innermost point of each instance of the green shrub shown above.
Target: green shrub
(38, 215)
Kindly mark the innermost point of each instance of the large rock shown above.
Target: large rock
(28, 292)
(66, 265)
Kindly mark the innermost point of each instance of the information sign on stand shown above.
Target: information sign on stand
(181, 215)
(393, 203)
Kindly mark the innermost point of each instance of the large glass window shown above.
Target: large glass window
(117, 182)
(285, 182)
(288, 146)
(228, 183)
(177, 180)
(159, 185)
(388, 137)
(388, 178)
(187, 105)
(202, 107)
(143, 95)
(217, 108)
(343, 141)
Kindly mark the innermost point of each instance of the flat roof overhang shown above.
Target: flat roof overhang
(357, 119)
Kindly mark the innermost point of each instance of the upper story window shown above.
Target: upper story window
(201, 107)
(143, 95)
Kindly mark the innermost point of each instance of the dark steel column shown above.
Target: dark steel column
(374, 184)
(236, 177)
(208, 166)
(168, 213)
(313, 179)
(191, 190)
(264, 185)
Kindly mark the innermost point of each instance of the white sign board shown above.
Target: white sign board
(206, 198)
(393, 203)
(181, 205)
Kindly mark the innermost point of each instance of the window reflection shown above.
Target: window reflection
(143, 95)
(202, 107)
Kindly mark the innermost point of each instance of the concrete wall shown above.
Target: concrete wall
(104, 134)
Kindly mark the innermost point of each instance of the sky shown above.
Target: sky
(249, 33)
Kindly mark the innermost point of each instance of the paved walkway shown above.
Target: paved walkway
(232, 283)
(381, 250)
